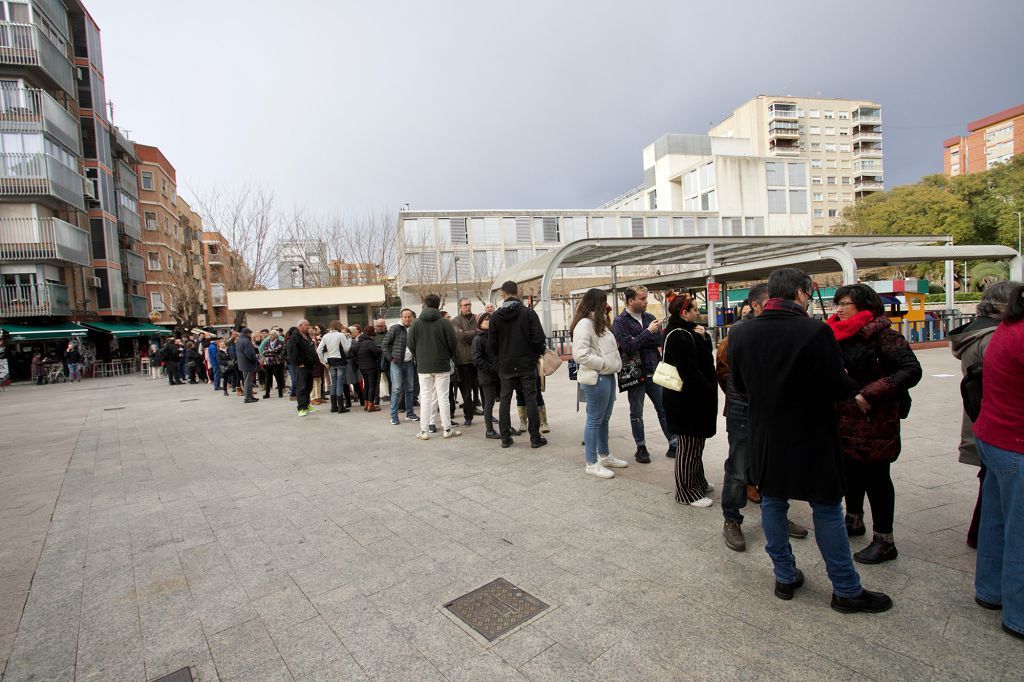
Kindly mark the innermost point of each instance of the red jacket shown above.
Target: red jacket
(1001, 422)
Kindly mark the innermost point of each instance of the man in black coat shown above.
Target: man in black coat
(302, 355)
(169, 356)
(516, 340)
(790, 368)
(248, 362)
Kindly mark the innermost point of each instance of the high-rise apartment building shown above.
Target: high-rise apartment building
(840, 138)
(990, 140)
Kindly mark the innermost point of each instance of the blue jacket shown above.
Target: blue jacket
(635, 337)
(211, 352)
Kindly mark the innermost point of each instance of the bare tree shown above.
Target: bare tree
(186, 302)
(248, 219)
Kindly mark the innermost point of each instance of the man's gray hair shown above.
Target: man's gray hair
(995, 299)
(785, 282)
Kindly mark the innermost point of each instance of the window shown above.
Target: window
(707, 175)
(814, 113)
(847, 197)
(776, 201)
(797, 201)
(844, 147)
(815, 130)
(833, 213)
(830, 130)
(652, 200)
(708, 201)
(844, 115)
(170, 263)
(545, 230)
(844, 132)
(819, 213)
(816, 180)
(845, 164)
(776, 172)
(754, 227)
(690, 183)
(151, 223)
(830, 146)
(477, 231)
(457, 229)
(163, 186)
(833, 196)
(815, 146)
(845, 180)
(830, 114)
(147, 180)
(797, 174)
(831, 163)
(815, 163)
(509, 230)
(153, 260)
(156, 301)
(831, 180)
(818, 196)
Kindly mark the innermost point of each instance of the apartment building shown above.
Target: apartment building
(192, 280)
(344, 274)
(129, 225)
(162, 236)
(219, 260)
(989, 141)
(302, 263)
(840, 138)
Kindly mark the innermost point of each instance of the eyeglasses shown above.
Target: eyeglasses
(843, 304)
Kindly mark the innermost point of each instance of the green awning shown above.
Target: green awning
(123, 330)
(43, 332)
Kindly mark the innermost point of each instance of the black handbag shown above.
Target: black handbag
(632, 372)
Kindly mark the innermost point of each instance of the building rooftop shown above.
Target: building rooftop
(997, 117)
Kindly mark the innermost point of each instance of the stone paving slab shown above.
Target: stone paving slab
(251, 544)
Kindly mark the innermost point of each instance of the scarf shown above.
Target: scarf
(845, 329)
(786, 306)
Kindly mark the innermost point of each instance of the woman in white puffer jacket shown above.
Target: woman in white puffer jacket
(595, 350)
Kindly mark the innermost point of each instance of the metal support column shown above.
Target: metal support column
(615, 294)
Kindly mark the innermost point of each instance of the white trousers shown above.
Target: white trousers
(434, 398)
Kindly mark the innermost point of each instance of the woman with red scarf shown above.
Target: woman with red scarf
(884, 368)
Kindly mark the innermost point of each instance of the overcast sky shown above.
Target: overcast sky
(345, 107)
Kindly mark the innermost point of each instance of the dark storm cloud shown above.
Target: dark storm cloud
(345, 106)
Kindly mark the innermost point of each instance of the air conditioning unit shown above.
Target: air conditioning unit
(94, 282)
(90, 188)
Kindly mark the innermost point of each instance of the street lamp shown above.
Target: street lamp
(456, 282)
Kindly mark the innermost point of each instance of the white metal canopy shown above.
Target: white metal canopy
(702, 259)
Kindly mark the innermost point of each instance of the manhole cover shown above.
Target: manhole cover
(188, 400)
(183, 675)
(112, 409)
(495, 608)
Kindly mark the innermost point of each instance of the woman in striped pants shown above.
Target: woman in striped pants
(691, 413)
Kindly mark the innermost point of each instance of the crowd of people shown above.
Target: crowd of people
(812, 410)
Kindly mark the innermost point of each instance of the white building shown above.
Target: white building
(301, 264)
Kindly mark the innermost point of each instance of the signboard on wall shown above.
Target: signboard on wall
(714, 291)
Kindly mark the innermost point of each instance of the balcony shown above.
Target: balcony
(866, 136)
(783, 130)
(135, 266)
(34, 300)
(787, 114)
(43, 239)
(40, 175)
(31, 110)
(868, 152)
(867, 167)
(128, 222)
(867, 116)
(138, 307)
(868, 184)
(25, 45)
(127, 181)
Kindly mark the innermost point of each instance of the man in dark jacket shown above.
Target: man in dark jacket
(516, 340)
(302, 355)
(432, 343)
(248, 362)
(638, 333)
(465, 332)
(169, 356)
(790, 368)
(402, 370)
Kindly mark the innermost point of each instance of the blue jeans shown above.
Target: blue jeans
(215, 375)
(338, 379)
(403, 377)
(291, 379)
(999, 576)
(829, 533)
(734, 485)
(636, 411)
(600, 400)
(74, 371)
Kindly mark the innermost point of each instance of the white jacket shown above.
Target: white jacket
(597, 353)
(334, 344)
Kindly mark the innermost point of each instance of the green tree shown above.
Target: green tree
(922, 208)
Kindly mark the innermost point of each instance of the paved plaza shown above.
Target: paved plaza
(147, 529)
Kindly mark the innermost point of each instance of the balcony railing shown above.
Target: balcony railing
(135, 266)
(866, 118)
(129, 223)
(138, 307)
(874, 152)
(29, 110)
(42, 239)
(25, 45)
(866, 136)
(783, 115)
(27, 175)
(860, 185)
(34, 300)
(127, 181)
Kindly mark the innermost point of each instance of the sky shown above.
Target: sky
(345, 107)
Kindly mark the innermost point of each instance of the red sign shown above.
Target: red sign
(714, 291)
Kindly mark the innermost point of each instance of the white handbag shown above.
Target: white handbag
(666, 375)
(587, 376)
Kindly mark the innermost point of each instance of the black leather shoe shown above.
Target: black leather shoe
(506, 443)
(671, 452)
(855, 527)
(492, 434)
(796, 530)
(866, 602)
(539, 443)
(1010, 631)
(642, 455)
(786, 590)
(987, 604)
(468, 422)
(877, 552)
(251, 400)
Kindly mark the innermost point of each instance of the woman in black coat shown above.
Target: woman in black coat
(692, 413)
(366, 354)
(881, 363)
(486, 373)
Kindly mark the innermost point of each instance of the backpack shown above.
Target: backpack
(970, 390)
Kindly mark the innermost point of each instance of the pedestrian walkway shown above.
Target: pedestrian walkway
(191, 530)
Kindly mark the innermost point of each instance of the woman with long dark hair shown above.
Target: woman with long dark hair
(880, 361)
(366, 355)
(692, 413)
(486, 373)
(999, 435)
(595, 349)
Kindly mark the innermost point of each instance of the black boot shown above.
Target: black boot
(341, 404)
(855, 525)
(334, 403)
(878, 551)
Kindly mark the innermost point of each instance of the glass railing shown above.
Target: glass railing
(28, 109)
(137, 307)
(25, 45)
(34, 300)
(40, 175)
(135, 266)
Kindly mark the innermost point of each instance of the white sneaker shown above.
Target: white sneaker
(423, 435)
(612, 461)
(599, 471)
(702, 502)
(451, 433)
